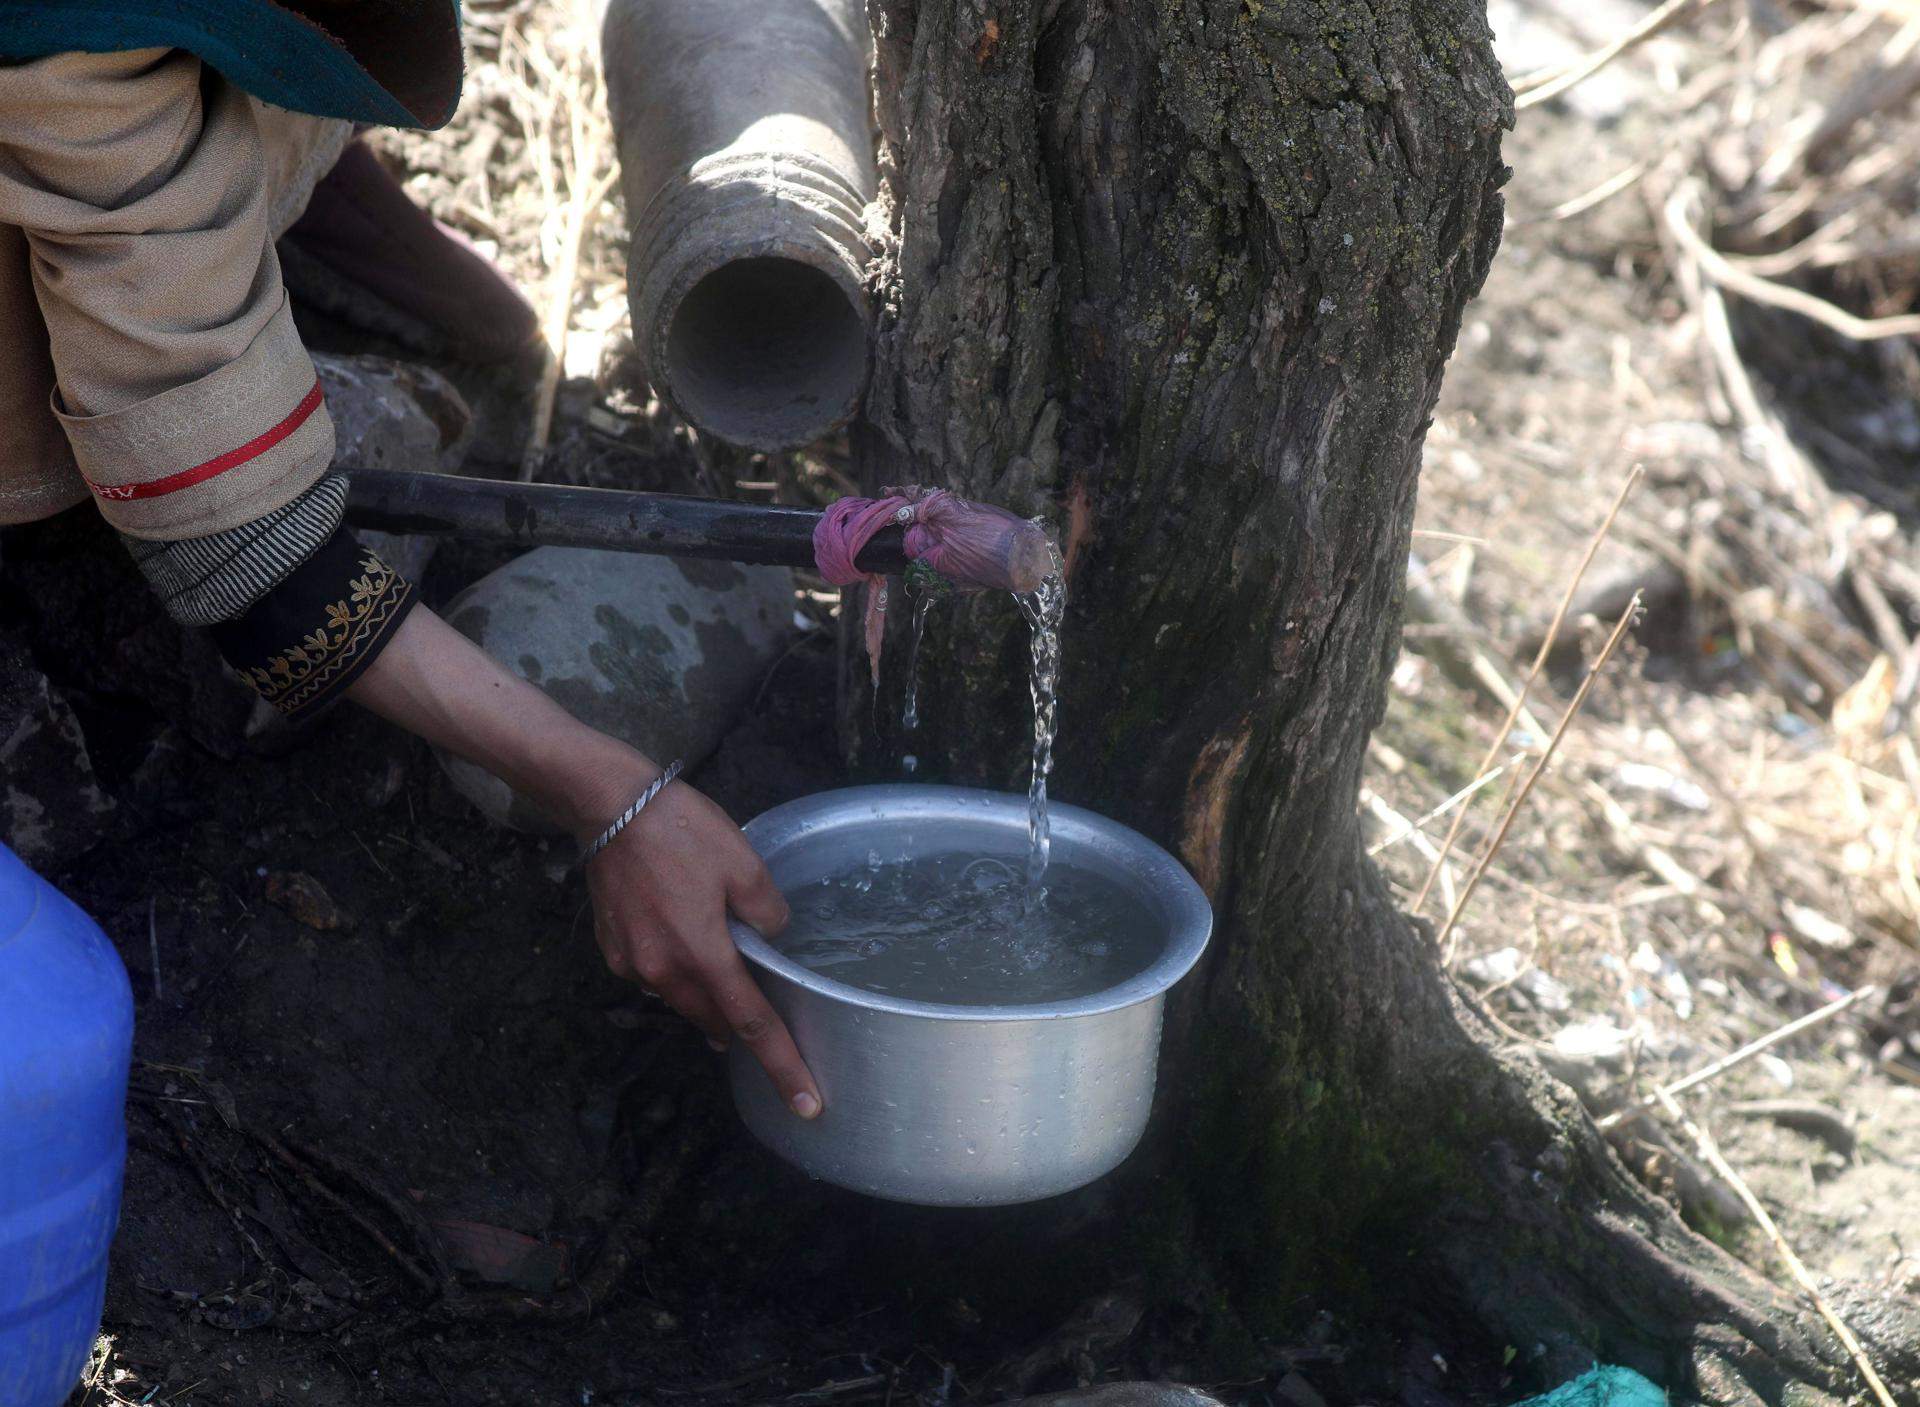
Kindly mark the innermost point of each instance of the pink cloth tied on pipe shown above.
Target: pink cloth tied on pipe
(965, 542)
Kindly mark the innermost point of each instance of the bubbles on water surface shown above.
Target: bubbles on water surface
(960, 928)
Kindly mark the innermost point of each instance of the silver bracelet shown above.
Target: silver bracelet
(626, 817)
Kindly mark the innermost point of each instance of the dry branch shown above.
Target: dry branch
(1533, 673)
(588, 186)
(1533, 777)
(1538, 88)
(1739, 1057)
(1751, 286)
(1410, 829)
(1710, 1151)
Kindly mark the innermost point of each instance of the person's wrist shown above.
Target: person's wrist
(594, 779)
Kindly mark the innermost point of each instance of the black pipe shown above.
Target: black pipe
(617, 520)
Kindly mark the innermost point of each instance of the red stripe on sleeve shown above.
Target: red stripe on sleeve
(220, 463)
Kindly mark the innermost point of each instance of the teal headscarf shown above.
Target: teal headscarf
(395, 63)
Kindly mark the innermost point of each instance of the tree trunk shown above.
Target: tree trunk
(1183, 275)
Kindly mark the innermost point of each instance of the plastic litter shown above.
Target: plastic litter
(1603, 1385)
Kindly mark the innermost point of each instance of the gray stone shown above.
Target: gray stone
(395, 415)
(51, 804)
(660, 652)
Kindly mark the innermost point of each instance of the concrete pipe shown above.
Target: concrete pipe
(746, 157)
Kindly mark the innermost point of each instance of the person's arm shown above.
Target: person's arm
(662, 890)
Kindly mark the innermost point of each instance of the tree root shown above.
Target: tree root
(336, 1187)
(620, 1248)
(1569, 1260)
(1083, 1343)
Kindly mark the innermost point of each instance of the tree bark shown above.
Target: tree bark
(1184, 275)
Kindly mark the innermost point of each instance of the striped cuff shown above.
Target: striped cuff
(206, 580)
(300, 645)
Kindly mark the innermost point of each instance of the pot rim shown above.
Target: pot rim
(1190, 915)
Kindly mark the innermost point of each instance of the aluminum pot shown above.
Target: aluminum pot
(962, 1105)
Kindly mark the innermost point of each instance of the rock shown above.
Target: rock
(51, 804)
(1126, 1395)
(1591, 1056)
(1507, 969)
(306, 900)
(395, 415)
(501, 1256)
(660, 652)
(1297, 1390)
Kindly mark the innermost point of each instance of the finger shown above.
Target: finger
(691, 999)
(758, 1026)
(755, 901)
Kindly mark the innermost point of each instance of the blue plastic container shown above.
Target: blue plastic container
(66, 1040)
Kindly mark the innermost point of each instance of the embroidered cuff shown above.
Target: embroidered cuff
(310, 637)
(214, 453)
(205, 580)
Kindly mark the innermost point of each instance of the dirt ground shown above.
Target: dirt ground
(1708, 855)
(428, 1037)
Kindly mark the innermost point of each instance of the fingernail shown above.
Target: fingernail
(717, 1047)
(806, 1105)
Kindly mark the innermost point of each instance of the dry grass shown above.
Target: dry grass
(1780, 806)
(1713, 275)
(525, 168)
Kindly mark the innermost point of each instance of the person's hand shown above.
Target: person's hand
(661, 894)
(662, 889)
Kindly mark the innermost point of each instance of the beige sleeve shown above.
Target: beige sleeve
(142, 188)
(37, 477)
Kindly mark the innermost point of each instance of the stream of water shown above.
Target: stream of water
(974, 928)
(1044, 610)
(910, 715)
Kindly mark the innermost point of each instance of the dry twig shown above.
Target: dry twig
(1533, 674)
(1739, 1057)
(1449, 643)
(1749, 285)
(1410, 829)
(1407, 828)
(1526, 788)
(1598, 195)
(1710, 1151)
(1539, 87)
(588, 187)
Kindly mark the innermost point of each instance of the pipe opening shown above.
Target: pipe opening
(766, 352)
